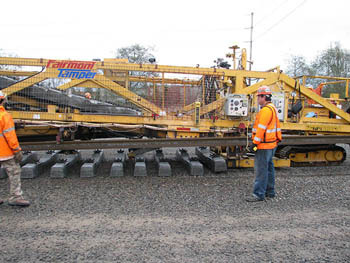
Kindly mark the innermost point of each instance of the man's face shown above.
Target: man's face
(261, 100)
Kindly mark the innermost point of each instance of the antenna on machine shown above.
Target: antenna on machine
(233, 55)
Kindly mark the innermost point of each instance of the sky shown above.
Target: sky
(181, 33)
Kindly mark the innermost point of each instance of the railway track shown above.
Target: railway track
(60, 157)
(180, 142)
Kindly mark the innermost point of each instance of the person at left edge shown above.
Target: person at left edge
(10, 155)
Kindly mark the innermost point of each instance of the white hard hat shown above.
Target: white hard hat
(2, 95)
(264, 90)
(88, 95)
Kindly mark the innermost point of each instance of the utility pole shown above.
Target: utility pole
(251, 41)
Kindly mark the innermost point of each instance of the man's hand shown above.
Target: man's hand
(253, 148)
(18, 156)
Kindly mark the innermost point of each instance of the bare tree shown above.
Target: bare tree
(334, 62)
(141, 55)
(6, 54)
(297, 66)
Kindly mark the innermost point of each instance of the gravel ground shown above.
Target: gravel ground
(180, 218)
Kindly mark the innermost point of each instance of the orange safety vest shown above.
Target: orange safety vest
(8, 138)
(267, 129)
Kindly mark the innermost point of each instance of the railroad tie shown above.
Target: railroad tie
(118, 166)
(140, 166)
(163, 166)
(91, 165)
(213, 161)
(193, 166)
(63, 163)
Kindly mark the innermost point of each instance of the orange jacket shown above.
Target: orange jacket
(267, 130)
(8, 139)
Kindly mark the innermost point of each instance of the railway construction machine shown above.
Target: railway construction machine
(145, 107)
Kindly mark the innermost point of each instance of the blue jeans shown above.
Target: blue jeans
(265, 173)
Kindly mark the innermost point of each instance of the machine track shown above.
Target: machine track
(313, 155)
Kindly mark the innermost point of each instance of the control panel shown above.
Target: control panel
(278, 100)
(236, 105)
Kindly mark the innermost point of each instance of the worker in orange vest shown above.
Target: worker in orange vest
(10, 155)
(87, 95)
(266, 134)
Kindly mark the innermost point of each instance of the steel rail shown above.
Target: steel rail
(181, 142)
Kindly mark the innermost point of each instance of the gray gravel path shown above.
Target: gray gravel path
(180, 218)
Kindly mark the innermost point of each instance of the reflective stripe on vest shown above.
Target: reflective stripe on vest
(257, 139)
(8, 130)
(262, 126)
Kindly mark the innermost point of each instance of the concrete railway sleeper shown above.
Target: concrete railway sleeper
(91, 165)
(193, 166)
(60, 163)
(163, 167)
(119, 163)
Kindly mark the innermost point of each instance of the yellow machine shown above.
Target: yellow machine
(47, 99)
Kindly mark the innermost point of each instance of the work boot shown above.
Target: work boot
(270, 196)
(1, 202)
(254, 198)
(19, 202)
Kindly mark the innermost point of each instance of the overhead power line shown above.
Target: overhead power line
(270, 14)
(279, 21)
